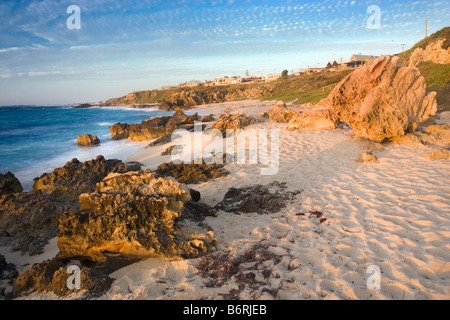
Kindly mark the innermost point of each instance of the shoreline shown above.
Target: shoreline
(391, 214)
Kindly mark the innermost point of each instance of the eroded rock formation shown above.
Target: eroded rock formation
(9, 184)
(233, 122)
(88, 140)
(383, 100)
(280, 113)
(132, 214)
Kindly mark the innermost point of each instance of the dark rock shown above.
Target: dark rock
(7, 270)
(9, 184)
(197, 211)
(257, 198)
(195, 195)
(192, 173)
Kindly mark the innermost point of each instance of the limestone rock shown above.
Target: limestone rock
(367, 157)
(88, 140)
(9, 184)
(192, 173)
(434, 53)
(233, 122)
(383, 100)
(132, 214)
(313, 119)
(438, 154)
(29, 219)
(280, 113)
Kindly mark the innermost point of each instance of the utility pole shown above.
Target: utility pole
(426, 27)
(403, 47)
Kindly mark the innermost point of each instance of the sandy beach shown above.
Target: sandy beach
(392, 214)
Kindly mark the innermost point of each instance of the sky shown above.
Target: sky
(133, 45)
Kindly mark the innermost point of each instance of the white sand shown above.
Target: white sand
(393, 214)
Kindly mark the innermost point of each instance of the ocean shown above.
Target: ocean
(35, 140)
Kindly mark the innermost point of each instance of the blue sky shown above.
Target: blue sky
(132, 45)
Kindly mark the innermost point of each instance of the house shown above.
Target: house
(207, 83)
(223, 81)
(270, 77)
(315, 70)
(359, 60)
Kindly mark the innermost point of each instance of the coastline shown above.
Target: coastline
(392, 214)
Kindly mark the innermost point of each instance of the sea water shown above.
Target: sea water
(35, 140)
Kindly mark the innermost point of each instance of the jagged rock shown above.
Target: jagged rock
(52, 276)
(192, 173)
(383, 100)
(153, 128)
(367, 157)
(132, 214)
(29, 219)
(434, 53)
(313, 119)
(9, 184)
(438, 135)
(233, 122)
(88, 140)
(68, 182)
(7, 270)
(280, 113)
(438, 154)
(257, 198)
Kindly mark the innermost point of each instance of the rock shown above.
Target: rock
(382, 101)
(88, 140)
(153, 128)
(280, 113)
(52, 276)
(445, 115)
(313, 119)
(68, 182)
(438, 154)
(434, 53)
(29, 219)
(7, 270)
(192, 173)
(257, 198)
(195, 195)
(209, 118)
(9, 184)
(132, 214)
(233, 122)
(366, 157)
(372, 146)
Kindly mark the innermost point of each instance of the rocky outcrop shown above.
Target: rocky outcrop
(382, 101)
(153, 128)
(438, 135)
(192, 173)
(8, 273)
(434, 52)
(314, 119)
(280, 113)
(233, 122)
(132, 214)
(88, 140)
(29, 219)
(257, 198)
(9, 184)
(52, 276)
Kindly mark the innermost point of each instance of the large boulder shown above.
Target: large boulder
(233, 122)
(88, 140)
(383, 100)
(314, 119)
(9, 184)
(132, 214)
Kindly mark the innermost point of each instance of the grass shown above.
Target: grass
(305, 88)
(437, 78)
